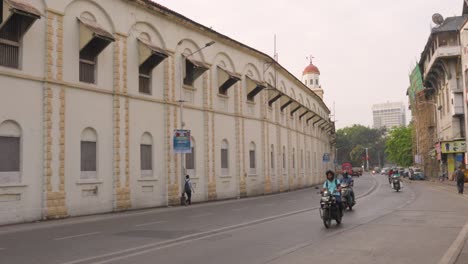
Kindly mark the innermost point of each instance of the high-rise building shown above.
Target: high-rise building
(389, 115)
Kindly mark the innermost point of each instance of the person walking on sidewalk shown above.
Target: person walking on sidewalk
(460, 177)
(188, 189)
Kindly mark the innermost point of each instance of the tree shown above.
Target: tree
(352, 141)
(399, 146)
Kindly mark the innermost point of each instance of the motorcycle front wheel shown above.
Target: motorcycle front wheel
(326, 218)
(339, 217)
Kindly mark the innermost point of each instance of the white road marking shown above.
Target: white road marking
(200, 215)
(150, 223)
(150, 247)
(75, 236)
(292, 200)
(268, 204)
(2, 248)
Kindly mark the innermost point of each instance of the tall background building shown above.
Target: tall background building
(389, 115)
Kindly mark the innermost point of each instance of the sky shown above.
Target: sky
(365, 49)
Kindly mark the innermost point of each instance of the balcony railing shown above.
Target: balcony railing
(442, 52)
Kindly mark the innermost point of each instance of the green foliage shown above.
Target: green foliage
(352, 141)
(399, 146)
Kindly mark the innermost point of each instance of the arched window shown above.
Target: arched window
(190, 158)
(146, 155)
(88, 154)
(252, 159)
(224, 157)
(10, 152)
(91, 45)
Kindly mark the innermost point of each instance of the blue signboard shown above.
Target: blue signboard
(181, 141)
(326, 157)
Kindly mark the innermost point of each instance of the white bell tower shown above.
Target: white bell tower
(311, 78)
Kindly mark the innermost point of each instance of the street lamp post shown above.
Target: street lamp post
(367, 158)
(181, 100)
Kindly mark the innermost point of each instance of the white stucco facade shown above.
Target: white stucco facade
(55, 115)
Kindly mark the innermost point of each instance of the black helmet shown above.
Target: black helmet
(330, 171)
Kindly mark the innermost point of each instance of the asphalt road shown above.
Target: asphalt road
(416, 225)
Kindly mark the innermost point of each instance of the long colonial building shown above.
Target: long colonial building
(92, 91)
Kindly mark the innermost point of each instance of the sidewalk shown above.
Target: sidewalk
(463, 257)
(447, 182)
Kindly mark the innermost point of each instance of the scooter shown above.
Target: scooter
(396, 183)
(329, 209)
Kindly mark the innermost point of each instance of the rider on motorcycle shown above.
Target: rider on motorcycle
(332, 185)
(395, 175)
(390, 174)
(349, 180)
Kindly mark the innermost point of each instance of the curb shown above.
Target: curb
(453, 252)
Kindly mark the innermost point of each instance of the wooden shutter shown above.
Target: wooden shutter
(9, 154)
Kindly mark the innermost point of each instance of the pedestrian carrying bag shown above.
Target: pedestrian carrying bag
(187, 186)
(460, 176)
(183, 200)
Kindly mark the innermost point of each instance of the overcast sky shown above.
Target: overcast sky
(364, 49)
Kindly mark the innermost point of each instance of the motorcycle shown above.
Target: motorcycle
(346, 196)
(396, 183)
(329, 209)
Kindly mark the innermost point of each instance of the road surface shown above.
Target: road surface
(416, 225)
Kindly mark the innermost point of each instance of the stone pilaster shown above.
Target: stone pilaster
(212, 189)
(238, 117)
(120, 112)
(280, 151)
(289, 157)
(54, 121)
(243, 180)
(265, 144)
(171, 111)
(206, 137)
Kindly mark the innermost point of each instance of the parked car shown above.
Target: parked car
(357, 171)
(406, 172)
(400, 170)
(418, 174)
(384, 171)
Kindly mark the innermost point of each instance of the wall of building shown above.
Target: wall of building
(56, 112)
